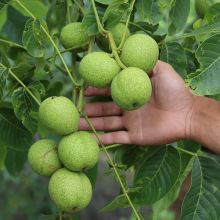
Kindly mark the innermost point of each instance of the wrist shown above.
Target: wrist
(203, 121)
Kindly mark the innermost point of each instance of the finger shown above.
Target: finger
(102, 109)
(118, 137)
(91, 91)
(102, 124)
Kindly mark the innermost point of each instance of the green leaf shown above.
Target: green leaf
(156, 175)
(129, 155)
(143, 26)
(152, 10)
(186, 166)
(4, 4)
(203, 199)
(3, 153)
(92, 175)
(23, 71)
(115, 17)
(33, 35)
(206, 81)
(12, 132)
(89, 20)
(120, 201)
(22, 109)
(113, 6)
(37, 8)
(38, 86)
(15, 161)
(40, 63)
(104, 2)
(174, 54)
(60, 10)
(53, 89)
(211, 22)
(3, 76)
(3, 17)
(5, 60)
(178, 16)
(14, 25)
(189, 42)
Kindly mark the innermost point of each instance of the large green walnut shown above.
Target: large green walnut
(140, 50)
(201, 6)
(59, 115)
(72, 35)
(98, 69)
(78, 151)
(131, 88)
(70, 191)
(43, 157)
(117, 32)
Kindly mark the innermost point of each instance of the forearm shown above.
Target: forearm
(204, 123)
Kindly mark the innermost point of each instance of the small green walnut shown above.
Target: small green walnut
(140, 50)
(70, 191)
(43, 157)
(72, 35)
(78, 151)
(59, 115)
(98, 69)
(131, 88)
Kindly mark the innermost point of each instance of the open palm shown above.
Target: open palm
(161, 120)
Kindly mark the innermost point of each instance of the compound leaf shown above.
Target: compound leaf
(89, 22)
(23, 71)
(3, 153)
(3, 76)
(203, 199)
(37, 8)
(186, 166)
(178, 16)
(211, 22)
(174, 54)
(33, 35)
(153, 10)
(156, 175)
(22, 108)
(4, 4)
(12, 132)
(129, 155)
(206, 81)
(15, 161)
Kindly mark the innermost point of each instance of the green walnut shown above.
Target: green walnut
(70, 191)
(78, 151)
(117, 32)
(59, 115)
(43, 157)
(131, 88)
(98, 69)
(140, 50)
(201, 6)
(72, 35)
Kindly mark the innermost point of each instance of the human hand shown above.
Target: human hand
(162, 120)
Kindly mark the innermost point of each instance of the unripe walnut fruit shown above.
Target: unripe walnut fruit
(98, 69)
(72, 35)
(43, 157)
(78, 151)
(131, 88)
(70, 191)
(59, 115)
(140, 50)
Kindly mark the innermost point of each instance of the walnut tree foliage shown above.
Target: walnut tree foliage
(31, 69)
